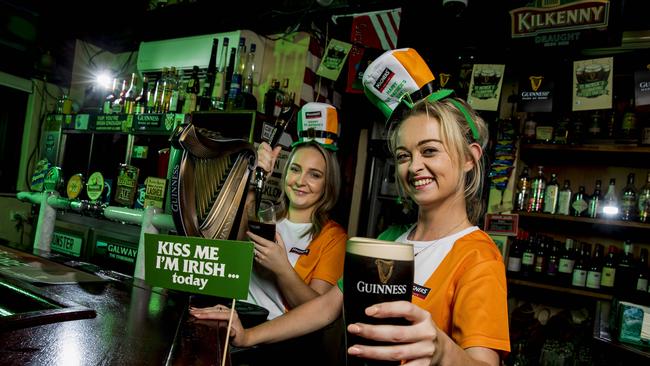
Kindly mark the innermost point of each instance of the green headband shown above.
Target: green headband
(441, 95)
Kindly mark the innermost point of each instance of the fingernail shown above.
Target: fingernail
(371, 310)
(353, 351)
(353, 328)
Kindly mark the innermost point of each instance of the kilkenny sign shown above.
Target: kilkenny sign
(570, 16)
(198, 265)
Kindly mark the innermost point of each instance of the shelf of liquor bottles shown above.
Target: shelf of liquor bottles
(600, 153)
(558, 288)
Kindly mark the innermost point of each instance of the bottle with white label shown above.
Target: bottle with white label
(551, 195)
(579, 277)
(595, 271)
(564, 199)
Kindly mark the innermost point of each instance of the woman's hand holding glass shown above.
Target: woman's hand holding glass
(270, 255)
(418, 343)
(221, 312)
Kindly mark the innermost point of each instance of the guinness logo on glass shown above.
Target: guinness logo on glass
(384, 269)
(535, 82)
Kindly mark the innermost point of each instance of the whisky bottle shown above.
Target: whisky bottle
(553, 261)
(523, 190)
(625, 271)
(644, 201)
(529, 129)
(540, 258)
(564, 199)
(234, 93)
(528, 258)
(579, 276)
(595, 271)
(594, 126)
(551, 195)
(141, 100)
(208, 84)
(107, 107)
(608, 276)
(628, 200)
(628, 125)
(192, 91)
(567, 262)
(579, 204)
(218, 92)
(130, 95)
(514, 256)
(594, 201)
(610, 206)
(538, 187)
(642, 272)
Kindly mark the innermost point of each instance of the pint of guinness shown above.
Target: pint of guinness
(375, 271)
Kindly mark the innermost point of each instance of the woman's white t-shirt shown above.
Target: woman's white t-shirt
(263, 289)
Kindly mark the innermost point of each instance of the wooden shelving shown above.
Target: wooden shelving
(611, 148)
(586, 220)
(562, 289)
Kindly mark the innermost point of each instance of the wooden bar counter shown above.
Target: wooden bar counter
(52, 314)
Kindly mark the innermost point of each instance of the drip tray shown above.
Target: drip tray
(23, 305)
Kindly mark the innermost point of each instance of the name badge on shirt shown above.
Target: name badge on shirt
(299, 251)
(420, 291)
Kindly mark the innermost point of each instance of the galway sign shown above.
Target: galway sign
(570, 16)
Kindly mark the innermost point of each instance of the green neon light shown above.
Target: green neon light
(30, 295)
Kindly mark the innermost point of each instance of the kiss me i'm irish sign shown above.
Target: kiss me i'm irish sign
(198, 265)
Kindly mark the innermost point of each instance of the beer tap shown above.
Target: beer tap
(287, 113)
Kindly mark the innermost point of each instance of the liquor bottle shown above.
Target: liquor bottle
(528, 258)
(595, 271)
(577, 130)
(249, 70)
(151, 97)
(567, 262)
(551, 195)
(625, 271)
(118, 102)
(594, 201)
(538, 187)
(644, 201)
(561, 135)
(234, 93)
(610, 206)
(553, 261)
(130, 95)
(540, 258)
(579, 276)
(192, 91)
(229, 71)
(271, 110)
(523, 190)
(628, 126)
(628, 200)
(219, 92)
(107, 107)
(208, 84)
(514, 256)
(579, 204)
(161, 88)
(141, 101)
(529, 129)
(642, 272)
(564, 199)
(594, 126)
(608, 277)
(174, 90)
(544, 131)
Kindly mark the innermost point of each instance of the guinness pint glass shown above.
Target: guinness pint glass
(375, 271)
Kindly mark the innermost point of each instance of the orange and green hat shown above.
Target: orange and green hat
(318, 122)
(398, 79)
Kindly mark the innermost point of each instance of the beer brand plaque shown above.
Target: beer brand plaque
(95, 186)
(75, 186)
(127, 182)
(154, 192)
(592, 84)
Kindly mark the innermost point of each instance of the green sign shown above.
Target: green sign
(67, 244)
(198, 265)
(118, 251)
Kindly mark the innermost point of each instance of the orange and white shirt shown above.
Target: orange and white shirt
(321, 257)
(460, 280)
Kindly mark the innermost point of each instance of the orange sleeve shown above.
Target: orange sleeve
(480, 314)
(326, 256)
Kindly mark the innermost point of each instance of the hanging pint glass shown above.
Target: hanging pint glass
(375, 271)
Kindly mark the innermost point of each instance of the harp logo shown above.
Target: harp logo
(444, 79)
(535, 82)
(384, 269)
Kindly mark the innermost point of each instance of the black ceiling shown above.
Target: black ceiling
(30, 28)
